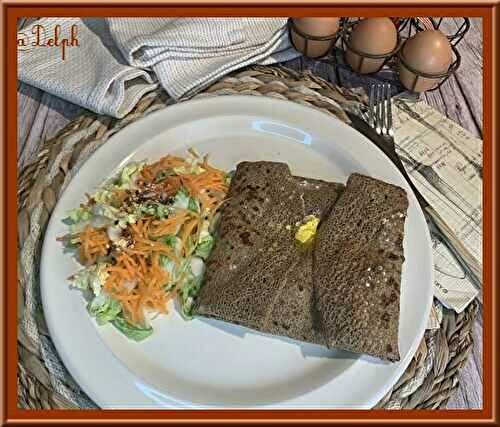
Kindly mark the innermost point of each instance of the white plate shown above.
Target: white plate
(209, 363)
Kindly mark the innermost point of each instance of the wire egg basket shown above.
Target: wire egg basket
(415, 25)
(407, 28)
(332, 38)
(347, 25)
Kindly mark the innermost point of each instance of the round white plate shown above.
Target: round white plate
(206, 363)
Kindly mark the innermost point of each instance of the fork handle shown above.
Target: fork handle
(440, 229)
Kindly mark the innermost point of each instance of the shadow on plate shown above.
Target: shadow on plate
(306, 349)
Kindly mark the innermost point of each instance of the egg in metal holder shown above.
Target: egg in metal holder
(356, 37)
(419, 77)
(316, 45)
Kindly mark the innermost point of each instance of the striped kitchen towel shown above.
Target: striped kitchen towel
(106, 65)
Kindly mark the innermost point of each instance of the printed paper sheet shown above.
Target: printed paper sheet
(445, 164)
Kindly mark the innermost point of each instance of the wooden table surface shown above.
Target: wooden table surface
(41, 116)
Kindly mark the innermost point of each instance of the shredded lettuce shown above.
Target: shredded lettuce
(71, 242)
(204, 232)
(173, 241)
(123, 180)
(168, 265)
(205, 241)
(103, 195)
(108, 211)
(181, 199)
(92, 277)
(104, 308)
(194, 205)
(158, 210)
(162, 211)
(169, 239)
(204, 248)
(184, 268)
(193, 168)
(188, 294)
(74, 242)
(126, 219)
(128, 175)
(169, 286)
(77, 215)
(194, 267)
(132, 332)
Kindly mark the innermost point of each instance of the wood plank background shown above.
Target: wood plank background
(41, 116)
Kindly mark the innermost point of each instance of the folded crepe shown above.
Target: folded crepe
(258, 275)
(343, 291)
(358, 259)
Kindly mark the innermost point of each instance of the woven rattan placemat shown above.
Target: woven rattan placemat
(43, 382)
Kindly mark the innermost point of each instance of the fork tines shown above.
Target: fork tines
(380, 109)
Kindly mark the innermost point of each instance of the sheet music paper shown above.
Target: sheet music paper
(445, 163)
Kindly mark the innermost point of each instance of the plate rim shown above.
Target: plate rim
(172, 109)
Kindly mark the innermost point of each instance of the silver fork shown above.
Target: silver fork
(380, 120)
(380, 112)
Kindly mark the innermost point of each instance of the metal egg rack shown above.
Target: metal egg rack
(406, 27)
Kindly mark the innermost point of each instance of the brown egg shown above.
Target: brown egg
(426, 52)
(316, 27)
(374, 36)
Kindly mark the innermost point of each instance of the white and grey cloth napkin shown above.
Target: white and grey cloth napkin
(118, 60)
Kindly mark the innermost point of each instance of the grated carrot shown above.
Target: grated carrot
(187, 231)
(136, 278)
(94, 243)
(169, 225)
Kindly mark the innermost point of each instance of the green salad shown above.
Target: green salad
(142, 239)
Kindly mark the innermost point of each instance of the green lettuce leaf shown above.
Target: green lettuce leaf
(188, 294)
(77, 215)
(132, 332)
(205, 246)
(123, 180)
(103, 195)
(169, 239)
(104, 308)
(173, 241)
(162, 211)
(169, 266)
(205, 241)
(126, 219)
(181, 199)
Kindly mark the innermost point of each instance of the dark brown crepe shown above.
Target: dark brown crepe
(357, 268)
(257, 275)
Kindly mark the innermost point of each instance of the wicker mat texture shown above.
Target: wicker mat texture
(43, 382)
